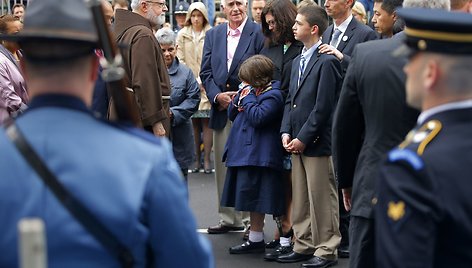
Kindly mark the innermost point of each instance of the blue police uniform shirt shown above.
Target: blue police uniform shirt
(128, 179)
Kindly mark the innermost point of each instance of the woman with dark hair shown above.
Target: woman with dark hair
(278, 17)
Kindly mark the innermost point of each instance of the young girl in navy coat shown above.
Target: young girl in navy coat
(254, 151)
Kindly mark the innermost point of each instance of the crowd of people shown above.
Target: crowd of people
(341, 120)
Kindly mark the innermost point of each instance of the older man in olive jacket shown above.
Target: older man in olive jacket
(144, 63)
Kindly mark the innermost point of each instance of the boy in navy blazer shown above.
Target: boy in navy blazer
(306, 133)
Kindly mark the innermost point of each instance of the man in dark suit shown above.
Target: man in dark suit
(219, 74)
(372, 101)
(340, 39)
(345, 33)
(423, 211)
(306, 133)
(372, 118)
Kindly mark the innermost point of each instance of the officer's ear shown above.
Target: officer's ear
(431, 74)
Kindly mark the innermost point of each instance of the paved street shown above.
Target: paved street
(203, 202)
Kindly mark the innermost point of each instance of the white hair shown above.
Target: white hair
(223, 2)
(135, 4)
(166, 36)
(440, 4)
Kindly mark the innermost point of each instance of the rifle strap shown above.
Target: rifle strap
(79, 211)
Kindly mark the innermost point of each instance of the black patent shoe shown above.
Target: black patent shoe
(293, 256)
(273, 244)
(248, 247)
(318, 262)
(222, 229)
(272, 256)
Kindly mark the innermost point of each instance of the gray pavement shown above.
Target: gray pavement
(202, 191)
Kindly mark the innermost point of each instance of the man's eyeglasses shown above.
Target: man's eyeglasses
(161, 5)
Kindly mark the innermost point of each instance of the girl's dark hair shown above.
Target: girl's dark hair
(256, 71)
(284, 13)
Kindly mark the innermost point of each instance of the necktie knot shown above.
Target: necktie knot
(302, 62)
(234, 33)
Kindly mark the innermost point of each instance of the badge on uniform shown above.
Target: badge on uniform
(396, 210)
(397, 213)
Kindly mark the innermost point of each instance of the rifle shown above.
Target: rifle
(113, 73)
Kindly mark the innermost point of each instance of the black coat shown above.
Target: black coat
(372, 118)
(283, 61)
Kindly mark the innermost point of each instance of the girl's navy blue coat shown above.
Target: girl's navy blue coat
(255, 138)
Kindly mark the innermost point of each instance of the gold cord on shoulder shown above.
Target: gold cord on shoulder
(434, 126)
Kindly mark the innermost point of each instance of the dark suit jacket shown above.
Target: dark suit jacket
(309, 107)
(356, 33)
(372, 103)
(283, 62)
(214, 71)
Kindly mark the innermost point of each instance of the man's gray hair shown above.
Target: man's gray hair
(223, 2)
(440, 4)
(165, 36)
(135, 4)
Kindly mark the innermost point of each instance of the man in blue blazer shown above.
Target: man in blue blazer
(306, 133)
(226, 47)
(340, 39)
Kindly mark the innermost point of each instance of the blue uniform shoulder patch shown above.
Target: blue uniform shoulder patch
(406, 155)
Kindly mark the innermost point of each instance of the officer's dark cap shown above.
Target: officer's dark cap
(66, 25)
(181, 8)
(436, 30)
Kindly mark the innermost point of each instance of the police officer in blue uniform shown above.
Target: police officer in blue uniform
(424, 194)
(127, 179)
